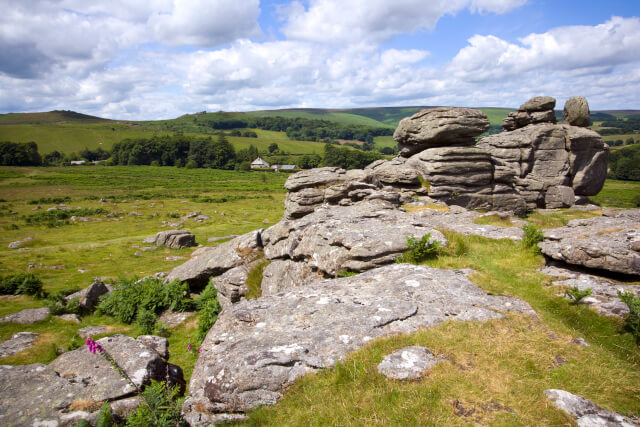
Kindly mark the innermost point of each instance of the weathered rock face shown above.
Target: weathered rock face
(606, 242)
(313, 188)
(436, 127)
(585, 412)
(216, 260)
(336, 238)
(394, 172)
(258, 347)
(536, 110)
(281, 275)
(533, 159)
(231, 285)
(74, 386)
(408, 363)
(175, 239)
(576, 112)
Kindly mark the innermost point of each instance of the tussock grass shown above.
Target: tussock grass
(254, 279)
(429, 206)
(560, 218)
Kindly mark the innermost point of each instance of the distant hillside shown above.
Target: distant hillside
(55, 116)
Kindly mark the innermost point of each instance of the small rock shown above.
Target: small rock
(408, 363)
(37, 208)
(217, 239)
(175, 239)
(17, 244)
(82, 270)
(149, 248)
(174, 258)
(171, 318)
(576, 112)
(581, 341)
(27, 316)
(17, 343)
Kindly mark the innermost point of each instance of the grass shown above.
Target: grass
(494, 220)
(618, 194)
(560, 218)
(495, 372)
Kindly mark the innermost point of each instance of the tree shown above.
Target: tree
(273, 148)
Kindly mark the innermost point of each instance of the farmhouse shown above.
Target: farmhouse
(283, 167)
(259, 163)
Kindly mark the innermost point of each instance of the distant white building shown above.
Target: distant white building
(77, 162)
(259, 163)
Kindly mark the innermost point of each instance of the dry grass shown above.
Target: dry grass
(430, 206)
(495, 220)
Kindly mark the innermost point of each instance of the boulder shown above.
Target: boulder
(437, 127)
(588, 157)
(336, 238)
(17, 343)
(538, 103)
(213, 261)
(175, 239)
(258, 347)
(231, 285)
(408, 363)
(27, 316)
(604, 243)
(585, 412)
(89, 296)
(74, 386)
(576, 112)
(91, 331)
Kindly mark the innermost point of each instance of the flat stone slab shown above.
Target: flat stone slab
(171, 318)
(27, 316)
(17, 343)
(258, 347)
(604, 292)
(610, 242)
(585, 412)
(408, 363)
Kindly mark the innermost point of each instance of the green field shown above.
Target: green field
(345, 118)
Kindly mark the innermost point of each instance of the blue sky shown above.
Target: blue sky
(156, 59)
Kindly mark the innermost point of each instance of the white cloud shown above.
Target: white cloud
(206, 22)
(338, 21)
(591, 48)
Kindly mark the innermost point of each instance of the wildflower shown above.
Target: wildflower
(189, 347)
(200, 350)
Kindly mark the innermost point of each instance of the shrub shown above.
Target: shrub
(104, 417)
(346, 273)
(57, 305)
(208, 309)
(632, 321)
(532, 236)
(162, 408)
(176, 297)
(130, 296)
(22, 283)
(146, 321)
(576, 295)
(420, 250)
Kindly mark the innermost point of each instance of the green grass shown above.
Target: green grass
(618, 194)
(496, 115)
(498, 368)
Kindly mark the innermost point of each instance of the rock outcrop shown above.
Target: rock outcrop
(17, 343)
(74, 386)
(27, 316)
(337, 238)
(610, 243)
(258, 347)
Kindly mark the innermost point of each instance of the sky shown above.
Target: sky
(159, 59)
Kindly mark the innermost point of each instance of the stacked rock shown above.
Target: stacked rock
(535, 110)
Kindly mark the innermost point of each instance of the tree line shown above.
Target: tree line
(624, 163)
